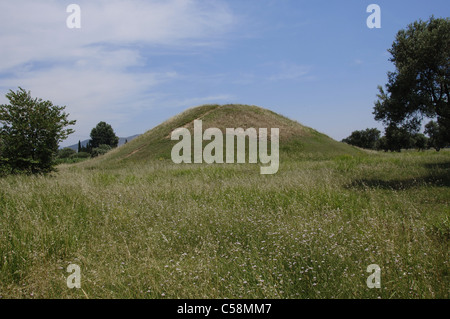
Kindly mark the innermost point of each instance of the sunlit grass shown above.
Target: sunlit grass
(162, 230)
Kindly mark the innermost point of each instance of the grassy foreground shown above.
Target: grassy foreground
(160, 230)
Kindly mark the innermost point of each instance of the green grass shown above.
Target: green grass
(70, 160)
(159, 230)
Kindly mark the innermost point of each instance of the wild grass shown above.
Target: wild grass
(160, 230)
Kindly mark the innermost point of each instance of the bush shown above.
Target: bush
(65, 153)
(102, 149)
(81, 155)
(74, 158)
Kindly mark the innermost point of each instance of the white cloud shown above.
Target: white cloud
(101, 71)
(92, 94)
(32, 30)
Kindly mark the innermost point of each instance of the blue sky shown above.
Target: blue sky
(135, 64)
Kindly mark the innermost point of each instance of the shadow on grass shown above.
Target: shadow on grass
(445, 165)
(439, 175)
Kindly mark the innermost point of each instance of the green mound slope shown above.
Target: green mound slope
(296, 140)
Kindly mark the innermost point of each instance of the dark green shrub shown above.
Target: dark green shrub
(102, 149)
(81, 155)
(65, 153)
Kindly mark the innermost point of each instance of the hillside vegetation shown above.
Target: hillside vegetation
(140, 226)
(296, 140)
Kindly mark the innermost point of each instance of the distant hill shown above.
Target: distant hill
(296, 141)
(121, 142)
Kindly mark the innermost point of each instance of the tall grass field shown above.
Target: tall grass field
(159, 230)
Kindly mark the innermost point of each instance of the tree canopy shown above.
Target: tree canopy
(365, 139)
(30, 132)
(103, 134)
(419, 87)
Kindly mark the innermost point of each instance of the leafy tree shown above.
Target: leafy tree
(365, 139)
(103, 133)
(436, 136)
(31, 131)
(420, 141)
(397, 138)
(381, 144)
(420, 85)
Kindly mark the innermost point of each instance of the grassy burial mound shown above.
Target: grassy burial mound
(296, 140)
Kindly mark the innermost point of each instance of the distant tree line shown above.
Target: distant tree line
(103, 139)
(396, 139)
